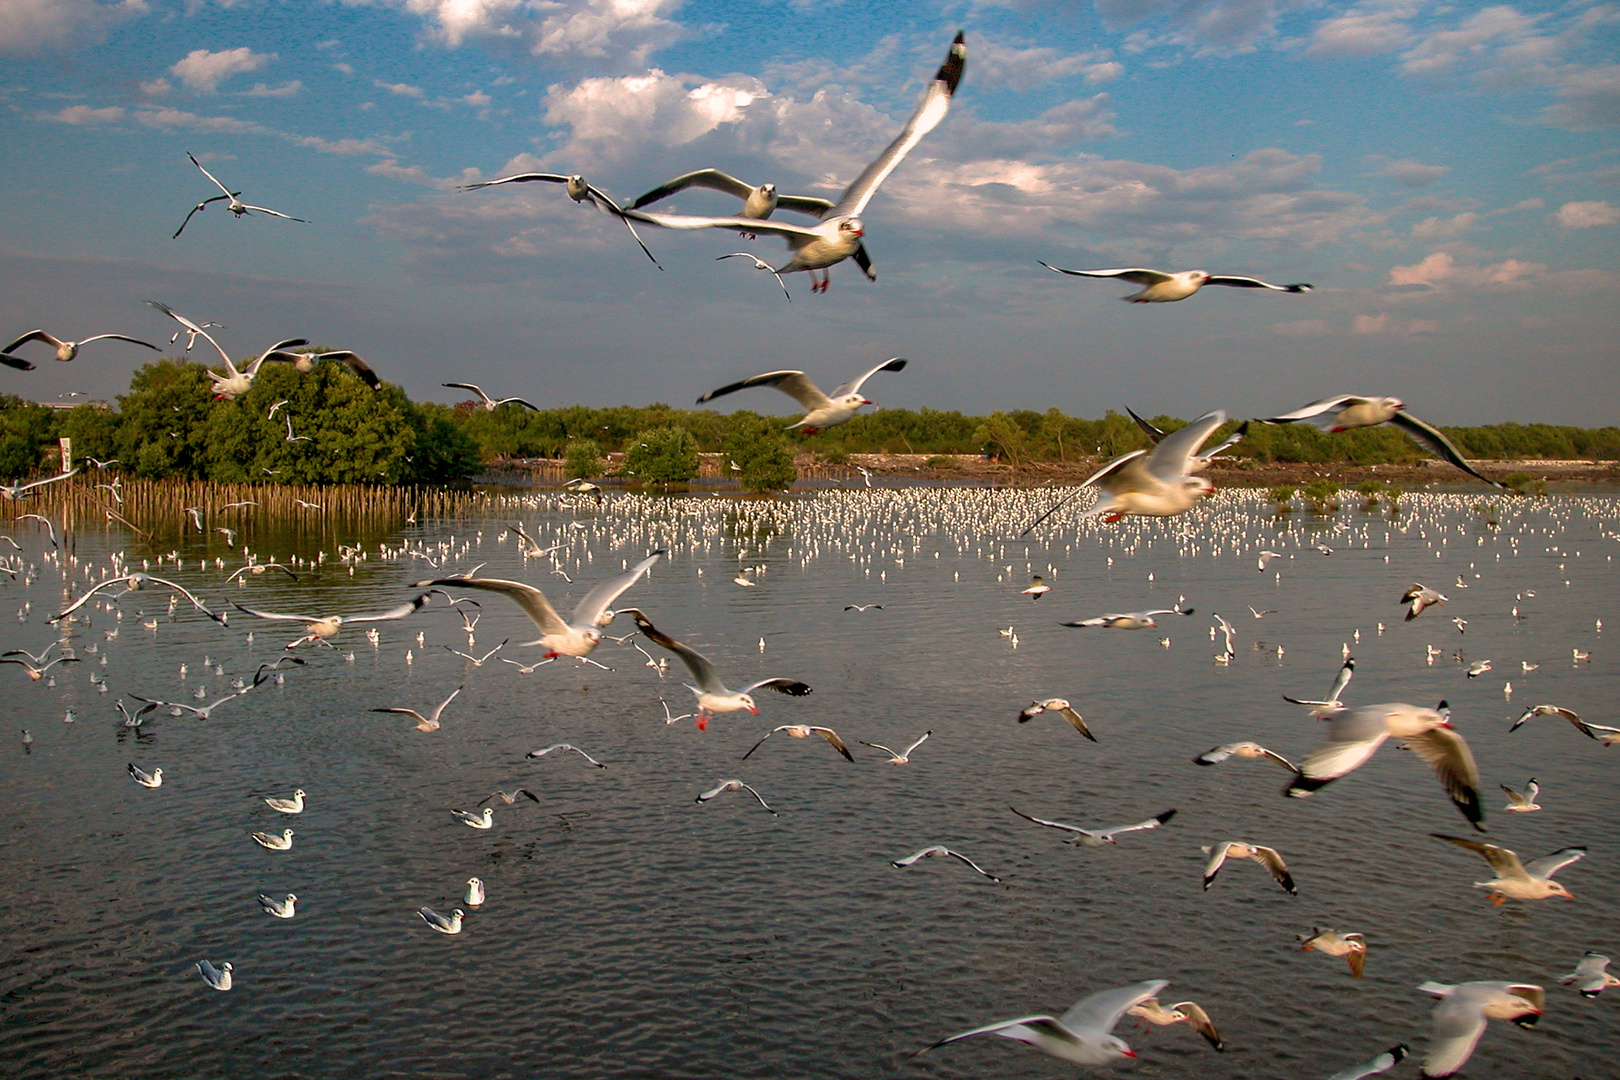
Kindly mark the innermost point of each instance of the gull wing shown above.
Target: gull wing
(1045, 1024)
(1316, 408)
(935, 104)
(15, 362)
(792, 383)
(1168, 461)
(1354, 735)
(1200, 1022)
(1151, 823)
(1554, 710)
(273, 615)
(1148, 429)
(1504, 862)
(354, 363)
(1076, 721)
(791, 687)
(805, 204)
(702, 670)
(1048, 824)
(20, 488)
(193, 329)
(530, 599)
(1231, 440)
(274, 213)
(708, 178)
(1255, 283)
(834, 741)
(118, 337)
(589, 611)
(1434, 439)
(1273, 862)
(792, 233)
(1346, 672)
(194, 209)
(1101, 474)
(1548, 865)
(517, 178)
(1141, 275)
(1098, 1013)
(407, 608)
(1447, 753)
(894, 363)
(36, 335)
(1459, 1021)
(210, 176)
(864, 261)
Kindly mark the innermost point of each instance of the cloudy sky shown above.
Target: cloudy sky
(1445, 174)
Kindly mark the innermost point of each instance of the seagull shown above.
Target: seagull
(528, 669)
(1420, 597)
(153, 779)
(579, 191)
(1080, 1035)
(1266, 557)
(272, 842)
(1239, 849)
(712, 695)
(1459, 1019)
(821, 411)
(281, 909)
(565, 747)
(938, 852)
(1525, 802)
(901, 757)
(1342, 680)
(838, 235)
(1198, 461)
(1354, 735)
(1226, 629)
(1218, 754)
(66, 350)
(1130, 620)
(444, 925)
(233, 202)
(320, 628)
(1163, 288)
(430, 722)
(1346, 411)
(478, 661)
(294, 805)
(804, 731)
(475, 892)
(758, 202)
(734, 785)
(759, 264)
(1380, 1064)
(37, 672)
(1098, 837)
(509, 798)
(19, 490)
(1188, 1012)
(1154, 483)
(1037, 588)
(1590, 976)
(863, 607)
(583, 632)
(475, 821)
(1060, 706)
(258, 568)
(1516, 880)
(217, 977)
(201, 712)
(308, 361)
(50, 529)
(1607, 735)
(487, 403)
(1353, 947)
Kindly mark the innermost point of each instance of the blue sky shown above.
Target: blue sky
(1444, 174)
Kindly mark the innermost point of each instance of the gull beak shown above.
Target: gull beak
(1129, 1053)
(753, 710)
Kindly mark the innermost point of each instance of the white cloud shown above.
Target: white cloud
(1435, 229)
(29, 26)
(84, 115)
(285, 90)
(203, 71)
(1483, 36)
(1408, 172)
(1587, 215)
(343, 147)
(1003, 67)
(179, 118)
(1211, 26)
(1441, 272)
(1384, 323)
(627, 30)
(477, 99)
(1367, 30)
(610, 118)
(1588, 99)
(402, 89)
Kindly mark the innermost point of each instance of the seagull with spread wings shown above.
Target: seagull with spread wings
(1097, 837)
(133, 582)
(232, 200)
(65, 350)
(1517, 880)
(804, 731)
(307, 361)
(1459, 1019)
(321, 627)
(712, 694)
(1161, 287)
(487, 403)
(820, 410)
(1081, 1035)
(14, 492)
(578, 190)
(838, 235)
(1346, 411)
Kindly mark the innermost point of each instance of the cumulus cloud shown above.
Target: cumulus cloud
(285, 90)
(85, 116)
(1003, 67)
(1587, 215)
(626, 30)
(203, 71)
(31, 26)
(1408, 172)
(1366, 30)
(608, 118)
(1210, 26)
(1435, 229)
(1588, 99)
(402, 89)
(1442, 272)
(179, 118)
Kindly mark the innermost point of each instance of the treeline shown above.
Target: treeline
(326, 427)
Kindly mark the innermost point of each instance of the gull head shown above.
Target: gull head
(768, 190)
(1115, 1047)
(852, 226)
(577, 188)
(748, 703)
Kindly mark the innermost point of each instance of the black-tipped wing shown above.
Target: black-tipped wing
(894, 363)
(1256, 283)
(792, 383)
(1434, 439)
(1141, 275)
(707, 178)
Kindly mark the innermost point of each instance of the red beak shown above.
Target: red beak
(753, 710)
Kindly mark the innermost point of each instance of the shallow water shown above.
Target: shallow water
(632, 932)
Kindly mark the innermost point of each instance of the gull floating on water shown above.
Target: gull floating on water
(1081, 1035)
(1591, 976)
(1097, 837)
(804, 731)
(1346, 411)
(1239, 849)
(475, 892)
(281, 909)
(712, 694)
(1163, 288)
(1516, 880)
(483, 820)
(441, 923)
(1459, 1019)
(294, 805)
(733, 785)
(838, 235)
(940, 852)
(1353, 947)
(901, 757)
(153, 779)
(821, 411)
(217, 977)
(272, 842)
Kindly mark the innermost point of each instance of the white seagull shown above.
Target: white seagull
(1154, 483)
(1346, 671)
(1459, 1019)
(1097, 837)
(1163, 288)
(272, 842)
(1182, 1012)
(1353, 947)
(475, 892)
(1516, 880)
(940, 852)
(217, 977)
(441, 923)
(18, 491)
(759, 202)
(733, 785)
(578, 190)
(1606, 735)
(565, 748)
(1129, 620)
(487, 403)
(1346, 411)
(820, 411)
(1081, 1035)
(430, 722)
(322, 627)
(65, 350)
(483, 820)
(1060, 706)
(1419, 597)
(712, 694)
(901, 757)
(1591, 976)
(1522, 802)
(510, 798)
(1218, 754)
(838, 235)
(233, 202)
(153, 779)
(583, 632)
(804, 731)
(281, 909)
(294, 805)
(1239, 849)
(309, 360)
(1354, 735)
(1380, 1064)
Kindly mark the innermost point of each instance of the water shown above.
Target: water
(632, 932)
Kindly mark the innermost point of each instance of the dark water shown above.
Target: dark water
(632, 932)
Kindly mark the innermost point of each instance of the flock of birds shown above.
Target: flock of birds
(1084, 1034)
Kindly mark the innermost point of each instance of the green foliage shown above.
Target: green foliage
(163, 420)
(1281, 494)
(584, 459)
(764, 457)
(662, 455)
(1002, 436)
(940, 461)
(1322, 495)
(1521, 483)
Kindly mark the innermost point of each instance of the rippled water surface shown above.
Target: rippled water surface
(630, 931)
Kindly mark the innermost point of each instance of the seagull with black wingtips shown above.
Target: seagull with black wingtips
(821, 410)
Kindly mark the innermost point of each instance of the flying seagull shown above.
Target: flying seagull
(1081, 1035)
(939, 852)
(322, 627)
(821, 411)
(430, 722)
(1516, 880)
(758, 202)
(1162, 288)
(1239, 849)
(487, 403)
(311, 359)
(578, 190)
(1060, 706)
(232, 199)
(1346, 411)
(804, 731)
(1097, 837)
(1459, 1019)
(67, 350)
(838, 235)
(712, 694)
